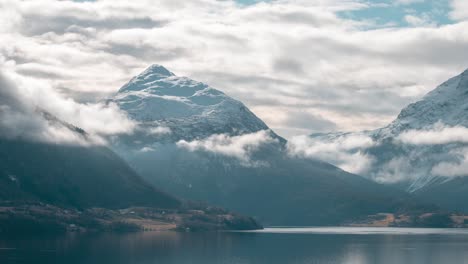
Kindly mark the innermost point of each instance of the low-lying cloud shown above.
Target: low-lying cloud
(457, 168)
(415, 156)
(30, 109)
(159, 130)
(344, 151)
(437, 135)
(240, 147)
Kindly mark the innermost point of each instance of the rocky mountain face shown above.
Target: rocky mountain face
(424, 150)
(200, 144)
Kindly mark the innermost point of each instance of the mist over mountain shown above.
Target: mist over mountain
(424, 151)
(198, 143)
(72, 175)
(45, 159)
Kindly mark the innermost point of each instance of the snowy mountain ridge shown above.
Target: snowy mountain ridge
(190, 109)
(447, 104)
(409, 151)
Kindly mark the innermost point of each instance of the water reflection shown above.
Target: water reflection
(238, 248)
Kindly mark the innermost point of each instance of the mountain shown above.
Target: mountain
(200, 144)
(48, 188)
(72, 175)
(424, 150)
(447, 103)
(165, 103)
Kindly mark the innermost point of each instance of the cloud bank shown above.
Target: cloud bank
(414, 155)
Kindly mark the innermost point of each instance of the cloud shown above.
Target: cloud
(453, 169)
(19, 119)
(33, 110)
(395, 170)
(414, 156)
(436, 135)
(459, 9)
(147, 149)
(283, 57)
(408, 2)
(344, 151)
(293, 122)
(160, 130)
(418, 21)
(239, 147)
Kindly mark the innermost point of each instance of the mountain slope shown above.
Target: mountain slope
(447, 103)
(200, 144)
(423, 151)
(72, 175)
(172, 107)
(78, 184)
(75, 176)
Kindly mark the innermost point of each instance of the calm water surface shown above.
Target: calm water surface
(270, 246)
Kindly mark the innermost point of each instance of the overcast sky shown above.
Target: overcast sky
(302, 66)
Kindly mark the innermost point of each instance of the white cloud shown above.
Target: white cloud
(419, 21)
(22, 119)
(147, 149)
(160, 130)
(240, 147)
(453, 169)
(344, 151)
(437, 135)
(396, 170)
(459, 10)
(26, 103)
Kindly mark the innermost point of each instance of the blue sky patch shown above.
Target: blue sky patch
(392, 13)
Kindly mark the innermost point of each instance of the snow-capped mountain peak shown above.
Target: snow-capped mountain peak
(157, 97)
(454, 87)
(447, 104)
(153, 73)
(157, 69)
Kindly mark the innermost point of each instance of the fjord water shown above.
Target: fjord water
(275, 245)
